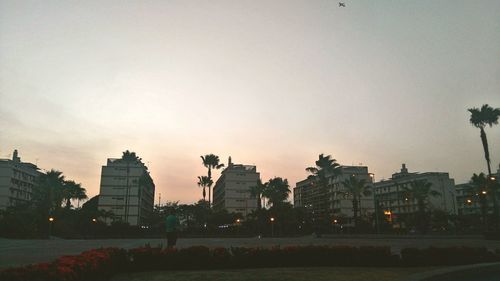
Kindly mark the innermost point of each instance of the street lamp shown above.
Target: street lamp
(272, 226)
(51, 220)
(94, 220)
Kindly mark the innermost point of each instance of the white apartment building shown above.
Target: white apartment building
(17, 181)
(333, 203)
(392, 199)
(127, 190)
(232, 189)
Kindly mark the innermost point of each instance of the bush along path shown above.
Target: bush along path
(102, 264)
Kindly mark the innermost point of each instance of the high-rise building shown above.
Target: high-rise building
(17, 181)
(333, 203)
(232, 189)
(127, 190)
(393, 199)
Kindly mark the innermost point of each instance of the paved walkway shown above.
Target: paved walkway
(20, 252)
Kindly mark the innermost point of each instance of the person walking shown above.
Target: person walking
(172, 227)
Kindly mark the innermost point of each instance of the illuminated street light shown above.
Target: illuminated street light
(493, 178)
(238, 221)
(94, 220)
(484, 192)
(271, 219)
(469, 201)
(51, 220)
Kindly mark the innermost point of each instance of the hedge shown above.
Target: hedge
(102, 264)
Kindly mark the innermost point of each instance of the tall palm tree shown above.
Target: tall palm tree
(479, 118)
(356, 189)
(277, 191)
(73, 190)
(204, 181)
(420, 190)
(211, 161)
(256, 191)
(325, 168)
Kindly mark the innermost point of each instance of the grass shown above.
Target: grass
(277, 274)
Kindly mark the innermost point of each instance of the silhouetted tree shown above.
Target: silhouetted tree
(256, 191)
(479, 118)
(356, 189)
(326, 167)
(277, 191)
(211, 161)
(420, 191)
(204, 181)
(49, 195)
(73, 190)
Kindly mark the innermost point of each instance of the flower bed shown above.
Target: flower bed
(101, 264)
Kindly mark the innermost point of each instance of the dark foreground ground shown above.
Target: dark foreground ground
(278, 274)
(21, 252)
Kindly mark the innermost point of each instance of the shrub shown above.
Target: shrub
(101, 264)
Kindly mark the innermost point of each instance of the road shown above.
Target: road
(21, 252)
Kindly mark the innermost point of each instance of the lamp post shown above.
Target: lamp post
(51, 220)
(272, 227)
(238, 224)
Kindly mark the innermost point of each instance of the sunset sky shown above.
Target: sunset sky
(271, 83)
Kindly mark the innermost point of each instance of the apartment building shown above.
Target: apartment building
(127, 190)
(333, 202)
(17, 181)
(470, 199)
(392, 198)
(232, 189)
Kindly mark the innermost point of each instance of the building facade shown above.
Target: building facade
(470, 199)
(392, 198)
(127, 190)
(232, 189)
(334, 203)
(17, 181)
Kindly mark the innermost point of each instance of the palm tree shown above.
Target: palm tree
(204, 181)
(277, 191)
(256, 191)
(420, 190)
(480, 189)
(73, 190)
(325, 168)
(356, 189)
(211, 161)
(479, 118)
(49, 195)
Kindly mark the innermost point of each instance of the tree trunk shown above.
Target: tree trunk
(421, 216)
(209, 187)
(484, 213)
(486, 150)
(355, 211)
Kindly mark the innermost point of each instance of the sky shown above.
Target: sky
(272, 83)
